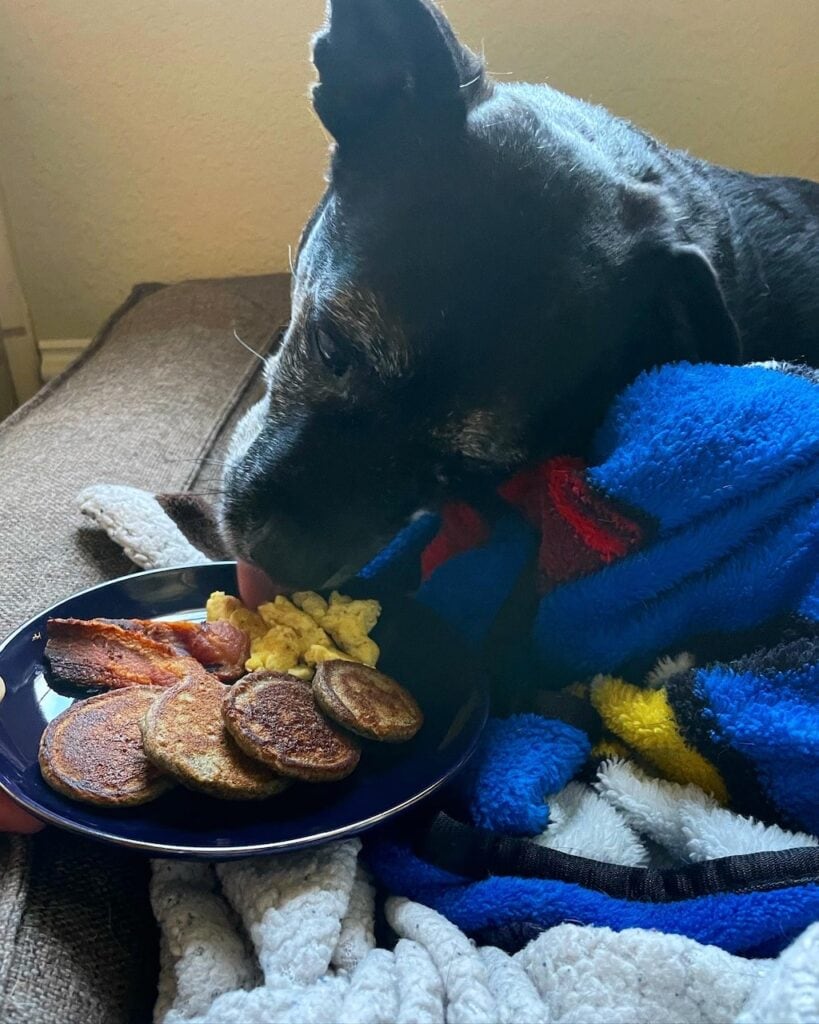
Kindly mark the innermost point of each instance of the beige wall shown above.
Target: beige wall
(160, 139)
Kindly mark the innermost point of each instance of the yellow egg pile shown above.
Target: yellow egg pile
(294, 634)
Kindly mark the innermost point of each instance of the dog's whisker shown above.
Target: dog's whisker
(209, 481)
(466, 85)
(244, 344)
(189, 461)
(290, 257)
(212, 479)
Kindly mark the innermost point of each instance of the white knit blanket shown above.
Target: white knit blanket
(290, 938)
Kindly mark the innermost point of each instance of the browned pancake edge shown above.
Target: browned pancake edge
(184, 734)
(366, 701)
(274, 718)
(93, 751)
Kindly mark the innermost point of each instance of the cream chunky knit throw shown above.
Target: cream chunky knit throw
(290, 939)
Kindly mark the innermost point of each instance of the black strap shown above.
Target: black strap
(476, 854)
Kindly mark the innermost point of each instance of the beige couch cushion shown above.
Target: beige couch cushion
(145, 405)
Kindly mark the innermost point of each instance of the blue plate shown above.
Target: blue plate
(416, 648)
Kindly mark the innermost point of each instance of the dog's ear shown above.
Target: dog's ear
(700, 324)
(677, 288)
(391, 63)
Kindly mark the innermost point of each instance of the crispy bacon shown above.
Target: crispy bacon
(108, 654)
(222, 648)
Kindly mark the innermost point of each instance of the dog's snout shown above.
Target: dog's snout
(285, 551)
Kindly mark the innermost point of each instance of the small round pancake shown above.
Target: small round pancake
(184, 734)
(93, 751)
(366, 701)
(273, 717)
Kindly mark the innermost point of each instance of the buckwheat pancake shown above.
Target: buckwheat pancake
(366, 701)
(274, 718)
(185, 735)
(93, 751)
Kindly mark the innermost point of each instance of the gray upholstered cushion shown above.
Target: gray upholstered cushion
(146, 405)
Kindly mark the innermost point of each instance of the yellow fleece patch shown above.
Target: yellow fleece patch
(645, 721)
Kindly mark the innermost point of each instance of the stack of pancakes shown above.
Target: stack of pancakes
(240, 742)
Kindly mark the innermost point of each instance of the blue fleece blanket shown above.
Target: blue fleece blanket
(723, 462)
(721, 466)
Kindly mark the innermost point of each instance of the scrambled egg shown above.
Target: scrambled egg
(347, 621)
(294, 636)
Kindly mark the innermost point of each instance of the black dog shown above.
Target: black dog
(489, 265)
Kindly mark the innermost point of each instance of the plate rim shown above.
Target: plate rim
(216, 852)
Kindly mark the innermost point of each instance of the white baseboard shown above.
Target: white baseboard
(58, 353)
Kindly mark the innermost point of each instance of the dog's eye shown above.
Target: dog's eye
(335, 352)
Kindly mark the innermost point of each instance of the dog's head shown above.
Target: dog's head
(480, 277)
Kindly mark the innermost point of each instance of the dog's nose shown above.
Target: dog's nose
(295, 557)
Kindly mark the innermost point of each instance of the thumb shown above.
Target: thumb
(14, 819)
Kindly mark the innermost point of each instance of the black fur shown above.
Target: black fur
(490, 264)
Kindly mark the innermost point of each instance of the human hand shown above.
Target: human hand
(14, 819)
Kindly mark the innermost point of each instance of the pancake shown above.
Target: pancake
(366, 701)
(274, 718)
(184, 734)
(93, 751)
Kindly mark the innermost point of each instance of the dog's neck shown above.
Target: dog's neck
(757, 231)
(768, 278)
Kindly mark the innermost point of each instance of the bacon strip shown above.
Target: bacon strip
(109, 654)
(221, 647)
